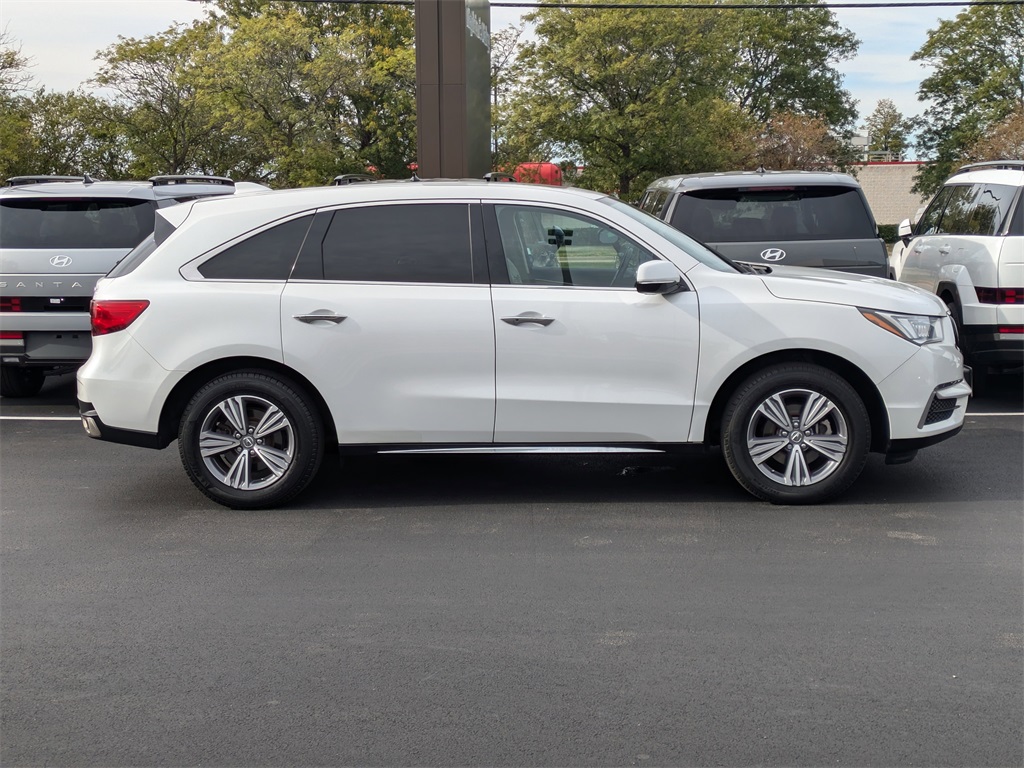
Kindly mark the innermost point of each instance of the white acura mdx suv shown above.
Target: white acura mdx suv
(461, 316)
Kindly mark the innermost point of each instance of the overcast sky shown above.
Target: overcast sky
(62, 37)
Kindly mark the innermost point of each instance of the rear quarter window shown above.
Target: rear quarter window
(267, 255)
(776, 213)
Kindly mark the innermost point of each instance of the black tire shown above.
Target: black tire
(788, 468)
(21, 382)
(246, 468)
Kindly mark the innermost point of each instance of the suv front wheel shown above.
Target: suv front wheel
(795, 433)
(250, 439)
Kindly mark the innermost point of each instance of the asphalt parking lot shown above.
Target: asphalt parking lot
(495, 610)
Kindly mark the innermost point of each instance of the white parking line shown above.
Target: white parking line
(40, 418)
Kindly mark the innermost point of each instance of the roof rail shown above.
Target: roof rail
(499, 176)
(998, 165)
(350, 178)
(162, 181)
(16, 181)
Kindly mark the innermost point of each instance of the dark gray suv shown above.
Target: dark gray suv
(58, 236)
(775, 218)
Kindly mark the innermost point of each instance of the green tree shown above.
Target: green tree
(374, 123)
(506, 73)
(72, 133)
(1003, 141)
(977, 82)
(888, 130)
(785, 62)
(627, 94)
(278, 83)
(166, 116)
(15, 109)
(802, 142)
(14, 75)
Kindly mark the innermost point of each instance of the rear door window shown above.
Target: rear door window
(68, 223)
(739, 215)
(410, 243)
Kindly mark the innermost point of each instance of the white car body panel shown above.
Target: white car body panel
(409, 364)
(614, 365)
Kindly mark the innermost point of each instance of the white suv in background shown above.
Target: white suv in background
(968, 249)
(468, 316)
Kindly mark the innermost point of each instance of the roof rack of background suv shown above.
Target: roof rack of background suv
(1008, 165)
(16, 181)
(350, 178)
(162, 181)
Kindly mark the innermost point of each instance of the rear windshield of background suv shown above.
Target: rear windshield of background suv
(74, 223)
(774, 214)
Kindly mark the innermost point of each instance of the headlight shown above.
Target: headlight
(920, 329)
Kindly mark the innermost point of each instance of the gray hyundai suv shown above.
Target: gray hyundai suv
(58, 236)
(775, 218)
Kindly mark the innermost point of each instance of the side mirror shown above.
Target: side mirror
(659, 277)
(904, 231)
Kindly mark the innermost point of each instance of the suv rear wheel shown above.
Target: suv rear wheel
(795, 433)
(21, 382)
(250, 439)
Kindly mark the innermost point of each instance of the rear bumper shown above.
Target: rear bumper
(47, 348)
(95, 428)
(985, 345)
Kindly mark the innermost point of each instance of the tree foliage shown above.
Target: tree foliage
(626, 94)
(294, 93)
(1005, 140)
(166, 117)
(802, 142)
(785, 63)
(977, 82)
(888, 130)
(633, 94)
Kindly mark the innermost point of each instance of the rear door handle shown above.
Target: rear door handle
(524, 319)
(318, 315)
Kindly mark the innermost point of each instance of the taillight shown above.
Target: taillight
(10, 303)
(1011, 329)
(1000, 295)
(113, 316)
(12, 335)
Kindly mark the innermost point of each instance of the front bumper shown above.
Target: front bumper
(926, 398)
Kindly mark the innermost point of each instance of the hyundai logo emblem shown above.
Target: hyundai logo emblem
(61, 261)
(773, 254)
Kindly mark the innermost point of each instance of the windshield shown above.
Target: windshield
(687, 245)
(779, 213)
(74, 223)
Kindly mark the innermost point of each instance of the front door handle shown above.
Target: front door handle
(318, 315)
(524, 319)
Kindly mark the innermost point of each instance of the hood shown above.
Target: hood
(822, 285)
